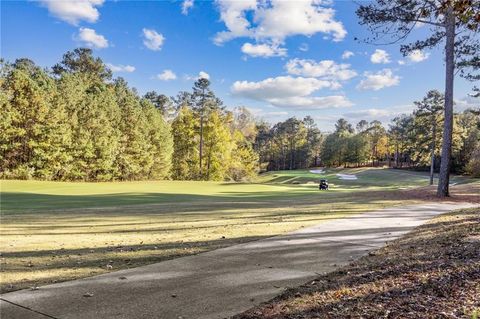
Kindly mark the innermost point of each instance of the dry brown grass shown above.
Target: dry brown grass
(432, 272)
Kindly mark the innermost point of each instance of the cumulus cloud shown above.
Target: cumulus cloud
(326, 69)
(201, 75)
(72, 11)
(263, 50)
(287, 91)
(281, 87)
(121, 68)
(379, 80)
(276, 20)
(92, 39)
(152, 39)
(186, 6)
(166, 75)
(417, 56)
(380, 56)
(383, 115)
(347, 54)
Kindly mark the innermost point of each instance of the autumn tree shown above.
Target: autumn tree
(185, 145)
(377, 138)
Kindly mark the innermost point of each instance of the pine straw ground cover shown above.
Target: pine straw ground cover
(432, 272)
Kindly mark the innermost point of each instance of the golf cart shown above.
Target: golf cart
(323, 185)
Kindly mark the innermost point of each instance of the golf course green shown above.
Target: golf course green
(56, 231)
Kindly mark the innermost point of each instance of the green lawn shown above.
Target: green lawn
(53, 231)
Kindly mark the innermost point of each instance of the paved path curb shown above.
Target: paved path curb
(223, 282)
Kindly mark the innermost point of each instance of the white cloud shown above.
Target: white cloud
(417, 56)
(347, 54)
(312, 102)
(303, 47)
(380, 56)
(281, 87)
(120, 68)
(287, 91)
(186, 6)
(166, 75)
(278, 113)
(326, 69)
(263, 50)
(401, 62)
(72, 11)
(383, 115)
(92, 39)
(203, 75)
(368, 113)
(276, 20)
(467, 102)
(152, 39)
(379, 80)
(262, 113)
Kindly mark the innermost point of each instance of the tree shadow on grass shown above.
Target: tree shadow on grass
(19, 202)
(430, 273)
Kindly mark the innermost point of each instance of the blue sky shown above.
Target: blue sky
(281, 59)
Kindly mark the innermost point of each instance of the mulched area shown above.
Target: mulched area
(432, 272)
(459, 193)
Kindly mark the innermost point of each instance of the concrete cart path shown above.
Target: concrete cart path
(223, 282)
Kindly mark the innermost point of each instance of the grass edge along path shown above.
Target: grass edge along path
(61, 231)
(432, 272)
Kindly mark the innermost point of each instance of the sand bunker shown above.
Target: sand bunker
(347, 177)
(317, 171)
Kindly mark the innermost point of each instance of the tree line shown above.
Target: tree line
(410, 141)
(76, 122)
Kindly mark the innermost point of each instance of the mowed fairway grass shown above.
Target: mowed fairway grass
(56, 231)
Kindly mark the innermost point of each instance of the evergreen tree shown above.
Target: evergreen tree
(161, 102)
(32, 132)
(428, 117)
(204, 101)
(135, 156)
(82, 61)
(160, 138)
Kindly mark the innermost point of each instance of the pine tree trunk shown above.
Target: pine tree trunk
(432, 164)
(396, 156)
(209, 159)
(201, 145)
(444, 174)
